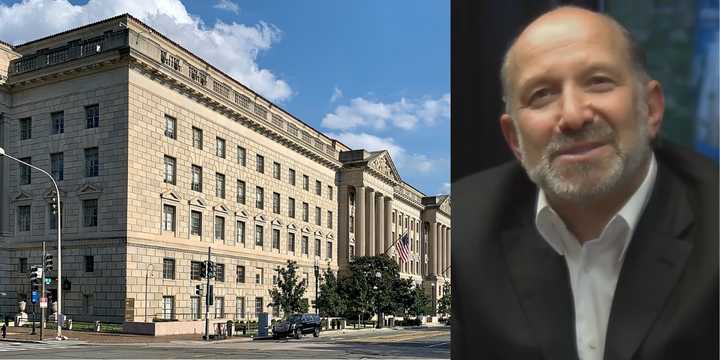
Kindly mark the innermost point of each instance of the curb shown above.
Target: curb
(23, 341)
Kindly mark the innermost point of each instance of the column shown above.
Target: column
(433, 249)
(343, 218)
(449, 249)
(370, 223)
(388, 223)
(379, 224)
(359, 221)
(441, 250)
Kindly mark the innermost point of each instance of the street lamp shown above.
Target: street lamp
(378, 276)
(60, 317)
(147, 272)
(317, 275)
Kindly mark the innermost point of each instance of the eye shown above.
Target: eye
(601, 83)
(540, 97)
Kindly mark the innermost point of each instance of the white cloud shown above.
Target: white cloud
(337, 94)
(233, 48)
(227, 5)
(445, 189)
(404, 114)
(403, 160)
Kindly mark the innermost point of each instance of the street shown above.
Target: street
(386, 343)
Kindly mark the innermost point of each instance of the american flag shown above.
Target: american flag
(403, 247)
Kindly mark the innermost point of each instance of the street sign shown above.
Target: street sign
(48, 281)
(43, 303)
(34, 297)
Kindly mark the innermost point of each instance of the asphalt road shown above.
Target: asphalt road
(388, 343)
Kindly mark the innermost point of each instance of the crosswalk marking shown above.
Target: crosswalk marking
(22, 346)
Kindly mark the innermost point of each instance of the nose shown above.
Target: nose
(576, 111)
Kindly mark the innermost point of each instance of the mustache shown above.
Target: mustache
(596, 132)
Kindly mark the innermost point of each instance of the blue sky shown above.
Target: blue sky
(373, 74)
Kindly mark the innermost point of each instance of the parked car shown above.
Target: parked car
(296, 325)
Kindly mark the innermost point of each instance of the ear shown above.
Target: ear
(510, 134)
(655, 102)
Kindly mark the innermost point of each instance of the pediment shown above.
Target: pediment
(383, 164)
(445, 205)
(260, 218)
(241, 214)
(50, 194)
(22, 196)
(306, 230)
(330, 236)
(276, 222)
(292, 227)
(88, 189)
(170, 195)
(221, 208)
(318, 233)
(199, 202)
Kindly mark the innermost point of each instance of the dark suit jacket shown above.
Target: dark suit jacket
(512, 297)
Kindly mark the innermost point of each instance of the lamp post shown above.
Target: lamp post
(60, 316)
(317, 276)
(147, 272)
(378, 276)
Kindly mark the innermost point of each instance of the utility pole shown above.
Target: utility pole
(207, 298)
(42, 294)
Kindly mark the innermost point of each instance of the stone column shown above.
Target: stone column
(379, 224)
(444, 250)
(343, 220)
(370, 225)
(388, 223)
(359, 221)
(433, 249)
(449, 257)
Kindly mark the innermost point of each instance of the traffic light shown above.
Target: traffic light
(36, 276)
(48, 265)
(203, 269)
(198, 290)
(210, 269)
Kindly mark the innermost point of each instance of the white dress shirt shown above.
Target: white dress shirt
(594, 266)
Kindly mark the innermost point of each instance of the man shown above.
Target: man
(596, 244)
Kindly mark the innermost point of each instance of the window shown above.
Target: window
(306, 280)
(276, 203)
(305, 215)
(318, 216)
(25, 171)
(195, 223)
(23, 218)
(168, 307)
(195, 307)
(90, 213)
(330, 192)
(240, 232)
(276, 239)
(318, 188)
(276, 170)
(170, 60)
(240, 274)
(23, 265)
(260, 111)
(88, 304)
(220, 272)
(219, 228)
(196, 183)
(258, 235)
(318, 247)
(240, 308)
(241, 156)
(57, 122)
(259, 197)
(25, 128)
(240, 197)
(220, 185)
(220, 147)
(304, 245)
(329, 250)
(351, 251)
(196, 270)
(291, 242)
(258, 306)
(169, 269)
(52, 215)
(291, 207)
(92, 116)
(275, 277)
(57, 166)
(306, 182)
(291, 177)
(259, 276)
(329, 219)
(89, 263)
(197, 138)
(92, 162)
(170, 127)
(351, 224)
(242, 100)
(170, 172)
(168, 218)
(197, 75)
(260, 164)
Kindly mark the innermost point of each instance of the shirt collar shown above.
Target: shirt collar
(553, 229)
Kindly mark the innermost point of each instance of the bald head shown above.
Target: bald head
(570, 23)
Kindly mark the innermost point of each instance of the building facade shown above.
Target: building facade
(160, 156)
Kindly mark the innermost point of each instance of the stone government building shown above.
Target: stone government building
(158, 156)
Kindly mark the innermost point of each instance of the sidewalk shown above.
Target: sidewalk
(22, 334)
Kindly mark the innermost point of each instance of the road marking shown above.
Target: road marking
(438, 344)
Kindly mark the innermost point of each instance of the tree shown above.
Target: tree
(421, 302)
(330, 300)
(445, 302)
(288, 294)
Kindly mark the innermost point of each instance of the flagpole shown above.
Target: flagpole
(393, 243)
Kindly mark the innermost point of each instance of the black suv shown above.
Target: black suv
(297, 325)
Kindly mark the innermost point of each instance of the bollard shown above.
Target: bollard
(97, 326)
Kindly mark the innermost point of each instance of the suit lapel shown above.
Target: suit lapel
(541, 281)
(654, 261)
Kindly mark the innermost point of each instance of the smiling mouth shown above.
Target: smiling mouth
(582, 151)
